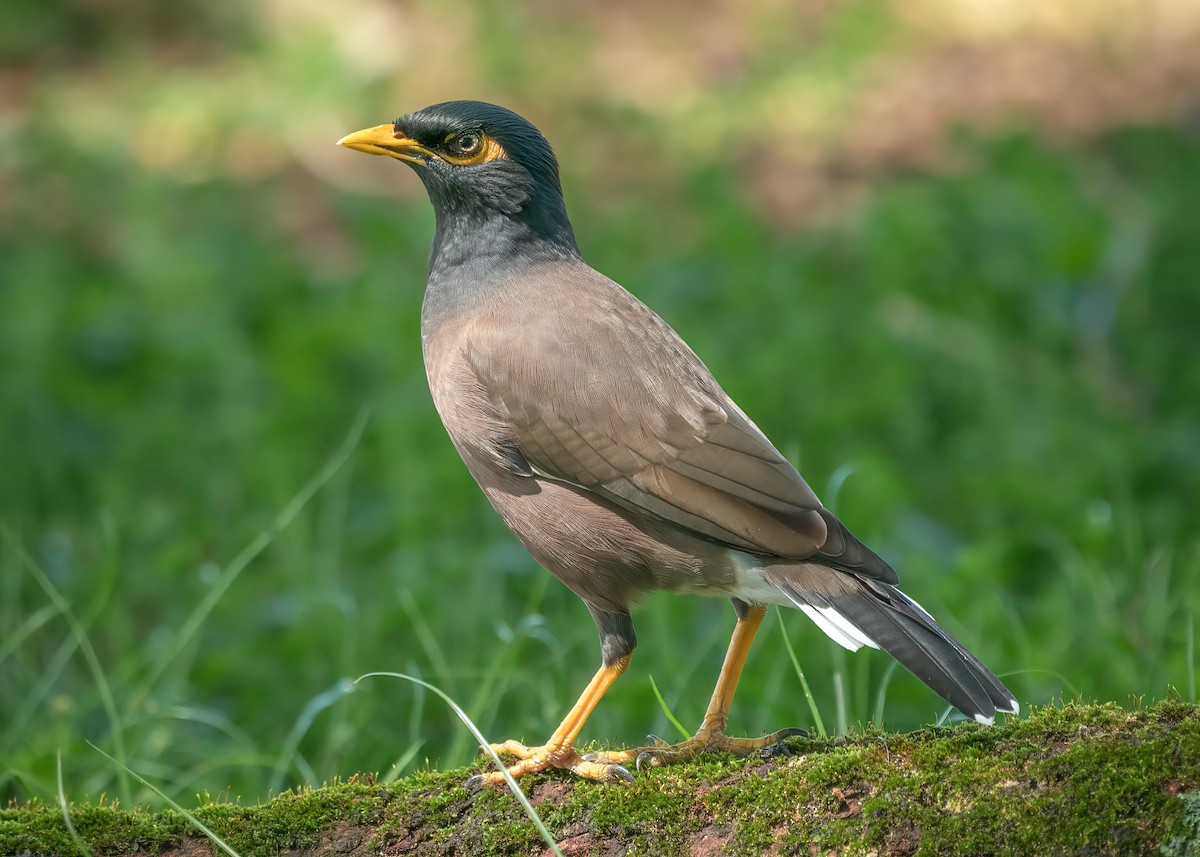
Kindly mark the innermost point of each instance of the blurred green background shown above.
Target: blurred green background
(947, 255)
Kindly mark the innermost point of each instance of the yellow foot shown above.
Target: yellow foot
(535, 759)
(659, 752)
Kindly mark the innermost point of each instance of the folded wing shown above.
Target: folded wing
(633, 415)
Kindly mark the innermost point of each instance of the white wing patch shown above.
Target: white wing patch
(751, 586)
(838, 628)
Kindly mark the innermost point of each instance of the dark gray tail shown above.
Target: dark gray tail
(858, 611)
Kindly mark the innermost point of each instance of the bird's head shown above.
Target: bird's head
(477, 160)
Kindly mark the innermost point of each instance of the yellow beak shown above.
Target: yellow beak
(386, 140)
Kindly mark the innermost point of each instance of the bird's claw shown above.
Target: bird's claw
(649, 758)
(620, 772)
(777, 747)
(791, 732)
(615, 772)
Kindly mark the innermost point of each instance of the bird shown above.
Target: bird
(611, 452)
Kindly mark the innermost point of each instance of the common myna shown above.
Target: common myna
(611, 452)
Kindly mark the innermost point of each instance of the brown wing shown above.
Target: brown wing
(622, 407)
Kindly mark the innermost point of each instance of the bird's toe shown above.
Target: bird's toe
(649, 758)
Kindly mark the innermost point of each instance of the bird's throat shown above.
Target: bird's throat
(479, 235)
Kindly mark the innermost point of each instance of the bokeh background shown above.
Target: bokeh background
(945, 253)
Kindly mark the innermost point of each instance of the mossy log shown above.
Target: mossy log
(1074, 779)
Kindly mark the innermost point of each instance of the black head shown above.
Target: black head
(478, 161)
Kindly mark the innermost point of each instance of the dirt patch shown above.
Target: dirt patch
(578, 839)
(711, 841)
(349, 840)
(902, 840)
(197, 847)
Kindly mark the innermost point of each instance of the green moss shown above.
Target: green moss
(1094, 779)
(294, 818)
(39, 829)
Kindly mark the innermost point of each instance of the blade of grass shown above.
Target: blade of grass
(34, 696)
(837, 479)
(487, 748)
(32, 784)
(85, 646)
(839, 697)
(662, 703)
(303, 723)
(498, 677)
(182, 781)
(881, 696)
(66, 812)
(222, 724)
(199, 825)
(808, 695)
(401, 764)
(191, 626)
(427, 641)
(416, 710)
(35, 620)
(1075, 692)
(1190, 657)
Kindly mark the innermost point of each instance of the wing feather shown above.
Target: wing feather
(624, 408)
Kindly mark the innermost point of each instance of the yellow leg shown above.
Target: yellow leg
(559, 750)
(711, 734)
(716, 718)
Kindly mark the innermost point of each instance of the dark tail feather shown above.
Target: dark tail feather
(895, 623)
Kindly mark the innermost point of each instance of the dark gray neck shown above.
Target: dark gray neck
(500, 212)
(473, 235)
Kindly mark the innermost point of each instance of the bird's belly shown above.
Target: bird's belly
(609, 556)
(606, 555)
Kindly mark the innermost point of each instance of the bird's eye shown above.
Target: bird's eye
(467, 143)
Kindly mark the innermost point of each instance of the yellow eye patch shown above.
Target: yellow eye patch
(471, 147)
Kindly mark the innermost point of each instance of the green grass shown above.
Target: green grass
(992, 376)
